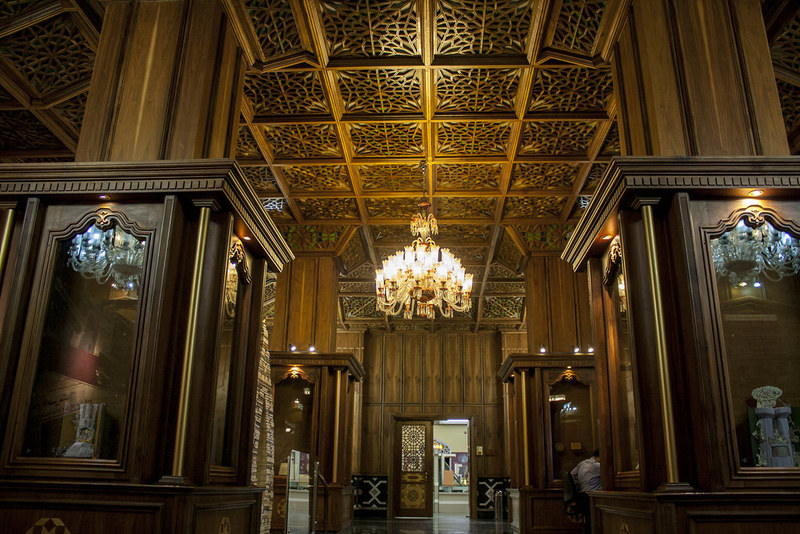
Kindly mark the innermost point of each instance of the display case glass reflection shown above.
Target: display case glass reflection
(293, 408)
(756, 268)
(569, 399)
(86, 352)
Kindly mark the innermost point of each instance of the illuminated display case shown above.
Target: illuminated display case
(693, 268)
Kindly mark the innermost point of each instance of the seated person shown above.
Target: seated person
(586, 476)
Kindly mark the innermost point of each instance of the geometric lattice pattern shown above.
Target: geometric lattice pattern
(412, 448)
(502, 307)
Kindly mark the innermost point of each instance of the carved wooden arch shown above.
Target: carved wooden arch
(753, 216)
(103, 218)
(569, 374)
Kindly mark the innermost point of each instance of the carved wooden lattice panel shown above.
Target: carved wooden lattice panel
(545, 236)
(467, 27)
(526, 176)
(303, 140)
(312, 237)
(246, 146)
(392, 233)
(286, 93)
(611, 146)
(557, 137)
(481, 207)
(371, 28)
(15, 7)
(476, 90)
(262, 180)
(72, 110)
(390, 178)
(392, 207)
(463, 233)
(328, 208)
(317, 178)
(595, 173)
(360, 307)
(785, 50)
(472, 138)
(357, 287)
(532, 207)
(32, 50)
(353, 254)
(455, 176)
(21, 129)
(275, 26)
(505, 287)
(571, 89)
(386, 139)
(507, 252)
(502, 307)
(577, 24)
(412, 448)
(381, 91)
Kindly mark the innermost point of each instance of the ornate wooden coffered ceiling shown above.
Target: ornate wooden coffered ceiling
(510, 104)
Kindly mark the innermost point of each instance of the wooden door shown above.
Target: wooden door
(413, 469)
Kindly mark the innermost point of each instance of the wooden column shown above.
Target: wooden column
(167, 82)
(696, 78)
(306, 305)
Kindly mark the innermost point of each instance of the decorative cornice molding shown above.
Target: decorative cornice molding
(628, 180)
(218, 179)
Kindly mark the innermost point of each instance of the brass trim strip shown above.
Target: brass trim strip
(525, 429)
(667, 415)
(5, 243)
(189, 347)
(336, 407)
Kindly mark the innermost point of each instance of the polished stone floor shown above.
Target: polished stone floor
(440, 524)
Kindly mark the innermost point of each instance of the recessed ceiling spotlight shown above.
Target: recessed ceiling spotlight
(755, 193)
(103, 197)
(247, 238)
(606, 237)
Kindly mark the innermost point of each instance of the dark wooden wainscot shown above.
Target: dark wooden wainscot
(130, 305)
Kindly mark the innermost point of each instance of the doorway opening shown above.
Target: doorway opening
(451, 467)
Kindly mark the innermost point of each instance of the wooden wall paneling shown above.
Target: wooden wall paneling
(476, 437)
(493, 441)
(453, 370)
(537, 428)
(491, 359)
(138, 132)
(563, 317)
(537, 299)
(412, 369)
(388, 436)
(512, 342)
(583, 310)
(433, 381)
(326, 305)
(371, 433)
(373, 366)
(473, 368)
(393, 368)
(764, 102)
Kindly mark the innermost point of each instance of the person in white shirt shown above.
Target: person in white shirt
(586, 476)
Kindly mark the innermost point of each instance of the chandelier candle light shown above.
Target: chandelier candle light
(423, 276)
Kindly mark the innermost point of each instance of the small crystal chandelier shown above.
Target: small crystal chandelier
(746, 253)
(108, 254)
(423, 276)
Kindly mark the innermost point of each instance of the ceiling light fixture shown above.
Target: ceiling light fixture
(423, 277)
(755, 193)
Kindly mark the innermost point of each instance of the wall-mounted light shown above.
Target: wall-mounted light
(312, 348)
(292, 347)
(576, 349)
(542, 350)
(590, 350)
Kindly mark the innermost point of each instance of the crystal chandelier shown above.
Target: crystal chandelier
(746, 253)
(423, 276)
(108, 254)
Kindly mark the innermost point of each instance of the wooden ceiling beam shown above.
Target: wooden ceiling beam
(30, 17)
(88, 22)
(400, 118)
